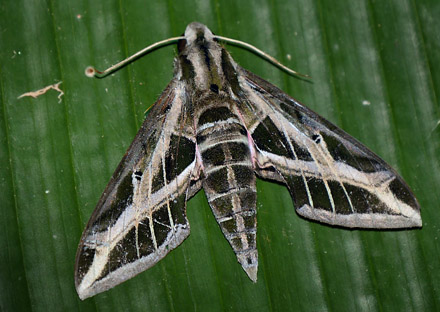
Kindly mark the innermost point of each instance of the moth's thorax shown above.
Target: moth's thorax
(202, 62)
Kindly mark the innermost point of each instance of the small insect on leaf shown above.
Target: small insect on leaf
(217, 126)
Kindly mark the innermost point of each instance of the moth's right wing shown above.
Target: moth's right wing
(141, 215)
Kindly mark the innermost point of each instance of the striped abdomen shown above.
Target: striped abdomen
(229, 181)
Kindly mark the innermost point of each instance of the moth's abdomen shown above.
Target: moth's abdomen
(229, 183)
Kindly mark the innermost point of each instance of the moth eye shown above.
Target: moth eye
(181, 45)
(215, 39)
(316, 138)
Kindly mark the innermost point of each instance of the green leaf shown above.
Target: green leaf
(375, 74)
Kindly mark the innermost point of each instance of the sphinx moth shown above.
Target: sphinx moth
(218, 126)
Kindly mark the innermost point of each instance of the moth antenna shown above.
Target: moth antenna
(93, 72)
(263, 55)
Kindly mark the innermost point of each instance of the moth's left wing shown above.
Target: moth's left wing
(141, 215)
(331, 176)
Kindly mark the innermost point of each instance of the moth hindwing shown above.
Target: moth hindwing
(217, 126)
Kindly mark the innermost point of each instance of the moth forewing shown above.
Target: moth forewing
(217, 126)
(141, 215)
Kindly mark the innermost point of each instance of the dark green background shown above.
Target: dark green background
(56, 158)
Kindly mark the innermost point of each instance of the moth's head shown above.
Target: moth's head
(195, 33)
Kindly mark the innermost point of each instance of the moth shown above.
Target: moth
(218, 126)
